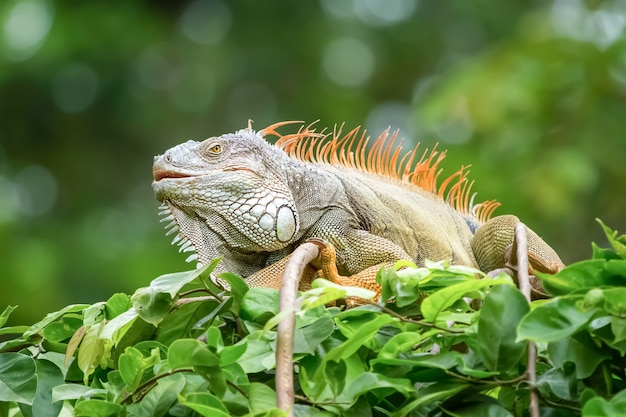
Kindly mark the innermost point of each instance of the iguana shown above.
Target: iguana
(238, 197)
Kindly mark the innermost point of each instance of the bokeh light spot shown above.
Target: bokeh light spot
(376, 13)
(26, 26)
(37, 190)
(10, 201)
(348, 62)
(74, 88)
(384, 12)
(390, 114)
(602, 27)
(205, 22)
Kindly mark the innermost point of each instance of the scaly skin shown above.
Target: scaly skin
(238, 197)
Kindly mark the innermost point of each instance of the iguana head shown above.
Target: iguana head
(226, 191)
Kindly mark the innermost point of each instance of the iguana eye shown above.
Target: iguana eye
(215, 148)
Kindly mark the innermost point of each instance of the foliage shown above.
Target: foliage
(449, 345)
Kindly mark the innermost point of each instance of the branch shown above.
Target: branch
(521, 244)
(294, 268)
(143, 389)
(409, 320)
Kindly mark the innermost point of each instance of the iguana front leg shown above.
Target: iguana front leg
(363, 279)
(356, 255)
(271, 275)
(325, 267)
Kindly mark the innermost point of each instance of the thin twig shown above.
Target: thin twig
(419, 322)
(193, 291)
(188, 300)
(294, 268)
(143, 389)
(521, 244)
(495, 381)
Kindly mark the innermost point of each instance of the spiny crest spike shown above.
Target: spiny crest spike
(383, 158)
(271, 130)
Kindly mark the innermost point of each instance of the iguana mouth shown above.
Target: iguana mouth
(162, 173)
(185, 245)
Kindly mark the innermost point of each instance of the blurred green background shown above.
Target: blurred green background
(532, 94)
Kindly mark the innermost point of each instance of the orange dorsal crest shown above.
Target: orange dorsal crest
(384, 157)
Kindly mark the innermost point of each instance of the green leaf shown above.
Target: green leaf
(93, 351)
(587, 274)
(356, 336)
(430, 395)
(376, 384)
(75, 391)
(335, 375)
(599, 407)
(554, 320)
(132, 366)
(96, 408)
(618, 242)
(485, 408)
(151, 304)
(58, 331)
(37, 327)
(399, 343)
(94, 314)
(115, 388)
(259, 304)
(434, 304)
(214, 339)
(74, 342)
(619, 401)
(581, 350)
(559, 383)
(272, 322)
(113, 329)
(443, 361)
(48, 377)
(615, 301)
(238, 288)
(160, 398)
(179, 323)
(618, 327)
(402, 284)
(502, 311)
(603, 253)
(117, 304)
(172, 283)
(5, 315)
(13, 330)
(204, 403)
(231, 354)
(261, 397)
(325, 292)
(186, 353)
(154, 302)
(18, 378)
(259, 355)
(308, 338)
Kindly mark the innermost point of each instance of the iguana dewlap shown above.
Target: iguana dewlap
(238, 197)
